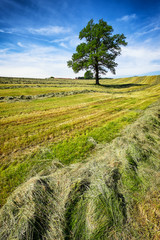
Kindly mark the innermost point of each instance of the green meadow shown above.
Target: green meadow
(66, 123)
(69, 128)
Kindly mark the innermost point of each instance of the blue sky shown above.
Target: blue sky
(38, 37)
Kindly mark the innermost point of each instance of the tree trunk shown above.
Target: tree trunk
(97, 80)
(97, 75)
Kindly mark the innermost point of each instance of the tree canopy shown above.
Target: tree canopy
(99, 51)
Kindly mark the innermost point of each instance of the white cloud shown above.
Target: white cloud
(48, 31)
(65, 39)
(39, 61)
(20, 44)
(4, 50)
(140, 33)
(70, 42)
(36, 32)
(137, 60)
(63, 45)
(36, 61)
(150, 27)
(9, 30)
(74, 41)
(127, 17)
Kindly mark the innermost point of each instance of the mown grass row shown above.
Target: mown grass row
(63, 85)
(31, 81)
(66, 128)
(112, 197)
(56, 119)
(71, 150)
(28, 130)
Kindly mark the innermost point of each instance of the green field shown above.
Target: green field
(27, 124)
(62, 123)
(64, 120)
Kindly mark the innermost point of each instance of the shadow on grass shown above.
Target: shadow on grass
(122, 85)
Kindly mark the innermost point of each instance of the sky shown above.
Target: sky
(38, 37)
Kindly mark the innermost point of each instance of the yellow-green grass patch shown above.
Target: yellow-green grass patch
(65, 125)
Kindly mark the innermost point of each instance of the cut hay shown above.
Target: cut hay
(101, 199)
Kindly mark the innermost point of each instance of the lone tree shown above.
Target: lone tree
(88, 75)
(99, 51)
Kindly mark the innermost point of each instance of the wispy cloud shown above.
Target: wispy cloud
(138, 59)
(49, 30)
(70, 41)
(20, 44)
(148, 30)
(65, 39)
(3, 51)
(8, 30)
(35, 61)
(63, 45)
(126, 18)
(44, 35)
(45, 31)
(40, 61)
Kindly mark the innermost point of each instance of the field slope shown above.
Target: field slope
(80, 148)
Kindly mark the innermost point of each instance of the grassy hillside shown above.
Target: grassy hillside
(64, 131)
